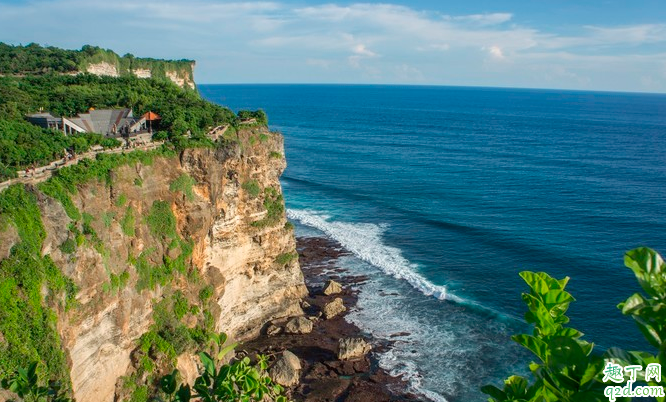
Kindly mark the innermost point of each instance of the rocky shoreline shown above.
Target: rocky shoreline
(332, 353)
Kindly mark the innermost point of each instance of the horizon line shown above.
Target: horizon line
(609, 91)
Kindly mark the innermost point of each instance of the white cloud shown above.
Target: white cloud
(264, 40)
(484, 19)
(495, 52)
(361, 50)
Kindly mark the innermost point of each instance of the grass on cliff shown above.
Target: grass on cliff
(286, 258)
(27, 316)
(161, 223)
(184, 184)
(274, 204)
(252, 188)
(65, 181)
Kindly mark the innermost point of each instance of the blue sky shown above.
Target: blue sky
(599, 45)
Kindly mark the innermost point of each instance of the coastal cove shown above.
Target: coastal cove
(443, 195)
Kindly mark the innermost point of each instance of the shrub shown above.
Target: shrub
(285, 258)
(128, 223)
(205, 293)
(274, 204)
(29, 283)
(107, 218)
(161, 221)
(184, 184)
(252, 188)
(236, 381)
(68, 246)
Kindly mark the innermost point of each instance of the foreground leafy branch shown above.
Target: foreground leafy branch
(237, 381)
(568, 369)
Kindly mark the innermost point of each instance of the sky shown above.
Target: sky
(612, 45)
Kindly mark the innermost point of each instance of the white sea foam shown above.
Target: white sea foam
(364, 241)
(437, 348)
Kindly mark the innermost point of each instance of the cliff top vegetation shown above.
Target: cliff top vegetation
(33, 59)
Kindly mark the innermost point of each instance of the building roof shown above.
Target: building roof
(151, 116)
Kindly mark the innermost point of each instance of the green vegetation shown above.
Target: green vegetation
(121, 200)
(286, 258)
(252, 188)
(288, 225)
(25, 383)
(259, 115)
(116, 282)
(162, 225)
(240, 380)
(150, 275)
(181, 110)
(107, 218)
(68, 246)
(161, 221)
(33, 81)
(205, 294)
(27, 321)
(568, 369)
(23, 145)
(274, 204)
(236, 381)
(127, 224)
(35, 60)
(65, 181)
(275, 155)
(184, 184)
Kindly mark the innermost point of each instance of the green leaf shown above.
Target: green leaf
(633, 304)
(184, 393)
(222, 338)
(226, 350)
(168, 383)
(566, 352)
(533, 344)
(648, 267)
(494, 392)
(208, 363)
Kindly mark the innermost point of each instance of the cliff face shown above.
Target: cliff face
(207, 226)
(181, 76)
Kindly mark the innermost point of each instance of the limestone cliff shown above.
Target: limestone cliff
(205, 228)
(179, 75)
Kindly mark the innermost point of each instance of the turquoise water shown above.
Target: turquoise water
(444, 195)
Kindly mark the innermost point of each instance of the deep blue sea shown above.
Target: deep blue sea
(445, 194)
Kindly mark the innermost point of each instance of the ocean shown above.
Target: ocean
(444, 194)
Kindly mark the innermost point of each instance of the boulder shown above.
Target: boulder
(352, 348)
(273, 330)
(298, 325)
(332, 288)
(286, 370)
(333, 308)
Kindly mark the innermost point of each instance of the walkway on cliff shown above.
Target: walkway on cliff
(43, 173)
